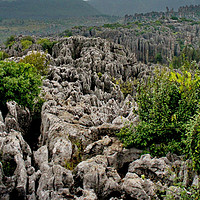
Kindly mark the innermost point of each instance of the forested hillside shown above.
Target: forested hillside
(45, 9)
(122, 7)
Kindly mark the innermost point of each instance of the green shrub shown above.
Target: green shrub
(112, 26)
(174, 18)
(77, 156)
(191, 54)
(183, 193)
(19, 82)
(183, 19)
(67, 33)
(26, 44)
(8, 166)
(193, 142)
(29, 38)
(126, 87)
(166, 104)
(181, 43)
(46, 44)
(99, 75)
(172, 27)
(188, 55)
(38, 60)
(158, 23)
(3, 55)
(158, 58)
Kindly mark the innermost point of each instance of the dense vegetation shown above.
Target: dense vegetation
(167, 103)
(3, 55)
(19, 82)
(193, 141)
(189, 54)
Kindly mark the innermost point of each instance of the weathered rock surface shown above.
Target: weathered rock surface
(18, 118)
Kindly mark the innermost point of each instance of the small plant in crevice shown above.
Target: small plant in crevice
(127, 87)
(8, 166)
(99, 75)
(77, 155)
(34, 130)
(37, 108)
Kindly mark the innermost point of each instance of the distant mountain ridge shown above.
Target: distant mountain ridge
(46, 9)
(123, 7)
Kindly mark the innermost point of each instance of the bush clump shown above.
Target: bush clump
(29, 38)
(46, 44)
(26, 44)
(193, 141)
(3, 55)
(126, 87)
(188, 54)
(38, 60)
(19, 82)
(67, 33)
(166, 104)
(158, 58)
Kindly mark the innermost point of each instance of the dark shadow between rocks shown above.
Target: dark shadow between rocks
(9, 166)
(17, 195)
(112, 195)
(34, 132)
(123, 170)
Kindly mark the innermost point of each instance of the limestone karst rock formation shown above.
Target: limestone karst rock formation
(78, 155)
(148, 39)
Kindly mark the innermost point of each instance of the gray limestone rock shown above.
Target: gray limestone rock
(15, 153)
(153, 167)
(1, 117)
(21, 175)
(18, 118)
(41, 156)
(137, 188)
(94, 174)
(87, 194)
